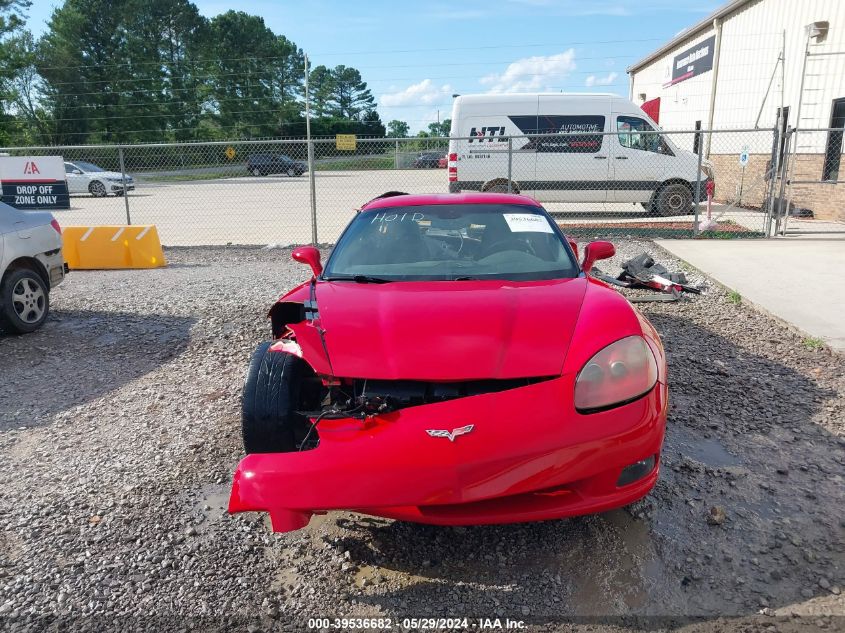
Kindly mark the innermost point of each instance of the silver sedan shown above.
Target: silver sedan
(31, 264)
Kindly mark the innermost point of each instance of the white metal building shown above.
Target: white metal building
(737, 67)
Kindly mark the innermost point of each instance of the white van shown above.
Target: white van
(620, 166)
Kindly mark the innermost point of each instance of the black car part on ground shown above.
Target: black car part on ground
(643, 272)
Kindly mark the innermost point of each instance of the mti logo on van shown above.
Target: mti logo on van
(488, 133)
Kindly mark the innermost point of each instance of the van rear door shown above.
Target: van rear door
(572, 167)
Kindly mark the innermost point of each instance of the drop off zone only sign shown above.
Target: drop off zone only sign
(34, 182)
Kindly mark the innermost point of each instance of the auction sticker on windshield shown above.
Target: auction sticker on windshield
(527, 223)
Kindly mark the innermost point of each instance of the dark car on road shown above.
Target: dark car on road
(428, 160)
(263, 164)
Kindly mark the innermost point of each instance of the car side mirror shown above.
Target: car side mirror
(78, 172)
(308, 255)
(595, 251)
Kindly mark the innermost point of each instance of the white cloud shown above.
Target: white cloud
(422, 93)
(592, 80)
(532, 73)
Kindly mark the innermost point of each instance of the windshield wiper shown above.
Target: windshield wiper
(360, 279)
(466, 278)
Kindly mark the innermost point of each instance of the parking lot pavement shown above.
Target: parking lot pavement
(119, 433)
(277, 209)
(799, 281)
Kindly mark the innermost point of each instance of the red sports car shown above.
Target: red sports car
(453, 363)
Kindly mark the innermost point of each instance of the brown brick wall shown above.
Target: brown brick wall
(826, 200)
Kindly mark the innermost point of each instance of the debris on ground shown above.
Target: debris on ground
(643, 272)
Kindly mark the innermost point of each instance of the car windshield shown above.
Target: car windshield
(451, 242)
(88, 166)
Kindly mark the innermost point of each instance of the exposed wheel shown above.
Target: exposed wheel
(291, 172)
(24, 301)
(499, 185)
(97, 189)
(256, 171)
(270, 397)
(674, 200)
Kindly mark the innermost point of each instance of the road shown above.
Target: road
(276, 209)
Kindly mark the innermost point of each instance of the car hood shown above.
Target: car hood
(463, 330)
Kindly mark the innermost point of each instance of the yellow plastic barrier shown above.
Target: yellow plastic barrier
(112, 247)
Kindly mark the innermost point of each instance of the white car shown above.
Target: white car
(85, 177)
(31, 264)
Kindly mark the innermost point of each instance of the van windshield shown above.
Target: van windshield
(451, 242)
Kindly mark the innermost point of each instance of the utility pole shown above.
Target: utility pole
(310, 159)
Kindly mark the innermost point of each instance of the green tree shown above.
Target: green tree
(321, 88)
(14, 57)
(398, 129)
(254, 77)
(440, 129)
(77, 58)
(350, 96)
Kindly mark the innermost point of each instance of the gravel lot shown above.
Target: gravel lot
(119, 432)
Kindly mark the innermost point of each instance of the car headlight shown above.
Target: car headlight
(621, 372)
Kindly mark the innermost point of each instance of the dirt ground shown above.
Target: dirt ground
(119, 433)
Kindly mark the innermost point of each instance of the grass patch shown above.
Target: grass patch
(352, 163)
(734, 297)
(813, 343)
(184, 177)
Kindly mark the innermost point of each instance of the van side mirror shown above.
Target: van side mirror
(595, 251)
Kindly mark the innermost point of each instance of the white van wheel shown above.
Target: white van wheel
(499, 185)
(674, 199)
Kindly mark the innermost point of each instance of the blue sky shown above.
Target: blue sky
(415, 55)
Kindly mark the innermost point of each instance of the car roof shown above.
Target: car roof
(416, 200)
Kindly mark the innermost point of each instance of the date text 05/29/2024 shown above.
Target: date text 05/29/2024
(415, 624)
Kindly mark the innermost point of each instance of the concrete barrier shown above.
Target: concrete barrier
(112, 247)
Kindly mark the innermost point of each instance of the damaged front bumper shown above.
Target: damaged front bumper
(528, 456)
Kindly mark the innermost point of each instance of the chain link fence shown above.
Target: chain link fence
(632, 182)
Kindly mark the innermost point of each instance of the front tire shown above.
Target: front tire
(270, 397)
(24, 301)
(674, 199)
(291, 172)
(97, 189)
(256, 171)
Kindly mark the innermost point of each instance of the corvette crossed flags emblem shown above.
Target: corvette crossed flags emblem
(450, 435)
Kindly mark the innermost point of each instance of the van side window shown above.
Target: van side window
(630, 130)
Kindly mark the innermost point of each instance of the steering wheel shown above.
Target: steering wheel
(520, 244)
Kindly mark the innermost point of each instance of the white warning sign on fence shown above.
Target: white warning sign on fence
(743, 156)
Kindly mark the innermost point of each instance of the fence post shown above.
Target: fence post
(396, 156)
(774, 173)
(313, 192)
(123, 182)
(790, 151)
(697, 192)
(510, 164)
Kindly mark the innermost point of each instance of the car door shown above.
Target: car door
(639, 159)
(572, 167)
(76, 182)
